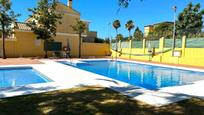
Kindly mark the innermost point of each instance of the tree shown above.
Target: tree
(163, 30)
(190, 20)
(7, 18)
(119, 37)
(124, 3)
(129, 26)
(151, 35)
(79, 28)
(138, 35)
(116, 25)
(107, 40)
(44, 21)
(99, 40)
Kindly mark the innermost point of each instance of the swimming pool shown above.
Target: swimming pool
(141, 75)
(18, 76)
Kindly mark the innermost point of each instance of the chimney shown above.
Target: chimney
(70, 3)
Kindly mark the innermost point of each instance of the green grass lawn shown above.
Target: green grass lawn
(89, 101)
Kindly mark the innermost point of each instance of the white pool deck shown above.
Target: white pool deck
(65, 77)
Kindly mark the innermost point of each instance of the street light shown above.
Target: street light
(174, 29)
(110, 39)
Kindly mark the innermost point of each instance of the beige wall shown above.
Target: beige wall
(10, 47)
(92, 34)
(26, 45)
(147, 30)
(73, 42)
(68, 18)
(95, 49)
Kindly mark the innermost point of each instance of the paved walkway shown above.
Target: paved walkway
(19, 61)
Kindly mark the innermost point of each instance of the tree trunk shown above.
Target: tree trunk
(79, 45)
(129, 35)
(130, 45)
(116, 40)
(46, 56)
(3, 38)
(130, 38)
(116, 44)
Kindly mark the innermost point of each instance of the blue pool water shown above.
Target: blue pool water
(146, 76)
(11, 77)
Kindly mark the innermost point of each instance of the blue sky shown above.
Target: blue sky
(103, 12)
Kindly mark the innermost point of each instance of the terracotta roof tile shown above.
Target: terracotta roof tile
(22, 26)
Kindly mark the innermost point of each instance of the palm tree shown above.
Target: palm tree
(116, 25)
(125, 3)
(129, 26)
(79, 28)
(119, 37)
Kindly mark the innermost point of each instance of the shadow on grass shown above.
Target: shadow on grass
(91, 100)
(25, 90)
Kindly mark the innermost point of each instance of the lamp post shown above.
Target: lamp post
(174, 29)
(109, 26)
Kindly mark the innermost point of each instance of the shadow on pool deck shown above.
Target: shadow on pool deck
(25, 90)
(152, 97)
(91, 100)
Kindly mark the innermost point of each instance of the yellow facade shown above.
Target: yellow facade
(189, 56)
(28, 46)
(147, 30)
(95, 49)
(25, 44)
